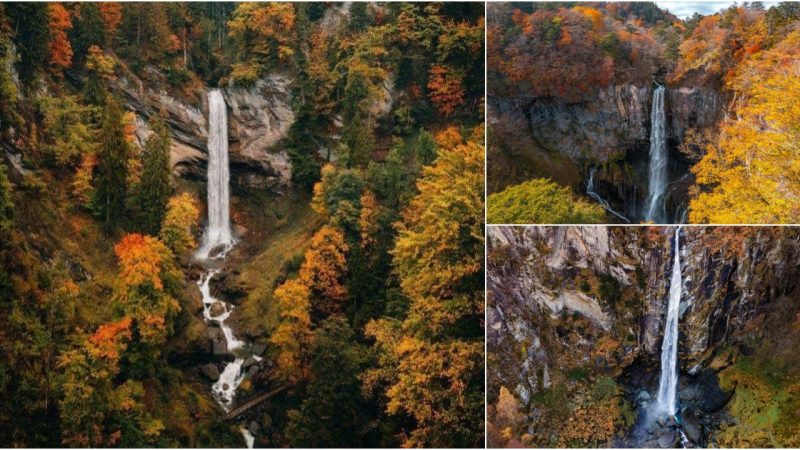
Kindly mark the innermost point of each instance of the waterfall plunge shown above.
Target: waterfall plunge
(658, 159)
(592, 193)
(218, 235)
(218, 232)
(667, 402)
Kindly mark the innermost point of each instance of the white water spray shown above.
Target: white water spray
(225, 388)
(218, 238)
(658, 159)
(218, 232)
(592, 193)
(667, 401)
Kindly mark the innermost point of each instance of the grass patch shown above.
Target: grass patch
(279, 230)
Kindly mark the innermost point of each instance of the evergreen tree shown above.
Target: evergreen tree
(112, 166)
(32, 37)
(88, 30)
(335, 387)
(155, 186)
(6, 204)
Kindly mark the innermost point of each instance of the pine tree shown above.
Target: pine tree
(88, 31)
(6, 204)
(155, 187)
(112, 166)
(32, 37)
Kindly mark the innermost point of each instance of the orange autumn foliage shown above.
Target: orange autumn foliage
(107, 341)
(446, 90)
(324, 268)
(140, 260)
(111, 13)
(60, 47)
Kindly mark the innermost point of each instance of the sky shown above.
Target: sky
(686, 9)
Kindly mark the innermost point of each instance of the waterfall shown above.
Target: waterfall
(218, 235)
(590, 190)
(667, 401)
(218, 232)
(658, 159)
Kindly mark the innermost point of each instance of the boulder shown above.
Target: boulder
(691, 426)
(668, 439)
(211, 371)
(219, 346)
(250, 361)
(258, 349)
(217, 309)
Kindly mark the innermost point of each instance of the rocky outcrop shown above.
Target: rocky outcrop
(259, 118)
(694, 107)
(616, 121)
(548, 285)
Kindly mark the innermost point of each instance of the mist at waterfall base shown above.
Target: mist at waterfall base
(217, 242)
(659, 420)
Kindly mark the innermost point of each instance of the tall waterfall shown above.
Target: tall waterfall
(667, 401)
(658, 159)
(592, 193)
(218, 232)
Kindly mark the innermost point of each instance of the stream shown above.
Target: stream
(218, 240)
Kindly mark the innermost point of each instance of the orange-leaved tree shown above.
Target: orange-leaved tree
(752, 174)
(147, 286)
(432, 360)
(60, 47)
(96, 409)
(293, 336)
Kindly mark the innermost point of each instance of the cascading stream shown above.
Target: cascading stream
(590, 189)
(218, 238)
(667, 401)
(657, 182)
(218, 234)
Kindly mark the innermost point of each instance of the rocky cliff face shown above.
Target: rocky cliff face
(615, 122)
(259, 117)
(557, 294)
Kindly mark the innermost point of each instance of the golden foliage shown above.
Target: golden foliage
(180, 221)
(293, 335)
(752, 175)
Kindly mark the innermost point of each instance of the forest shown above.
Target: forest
(643, 337)
(346, 307)
(622, 112)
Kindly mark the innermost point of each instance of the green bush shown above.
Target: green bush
(541, 201)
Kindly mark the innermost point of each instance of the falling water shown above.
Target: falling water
(590, 190)
(225, 388)
(658, 159)
(218, 235)
(218, 232)
(668, 386)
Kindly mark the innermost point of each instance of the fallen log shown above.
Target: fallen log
(244, 407)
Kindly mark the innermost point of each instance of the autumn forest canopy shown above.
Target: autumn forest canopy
(581, 77)
(356, 175)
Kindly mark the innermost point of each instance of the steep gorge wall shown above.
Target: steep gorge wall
(548, 309)
(259, 118)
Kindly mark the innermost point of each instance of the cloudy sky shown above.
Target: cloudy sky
(686, 9)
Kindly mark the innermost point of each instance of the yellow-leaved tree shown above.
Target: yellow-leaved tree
(147, 286)
(752, 174)
(432, 360)
(180, 222)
